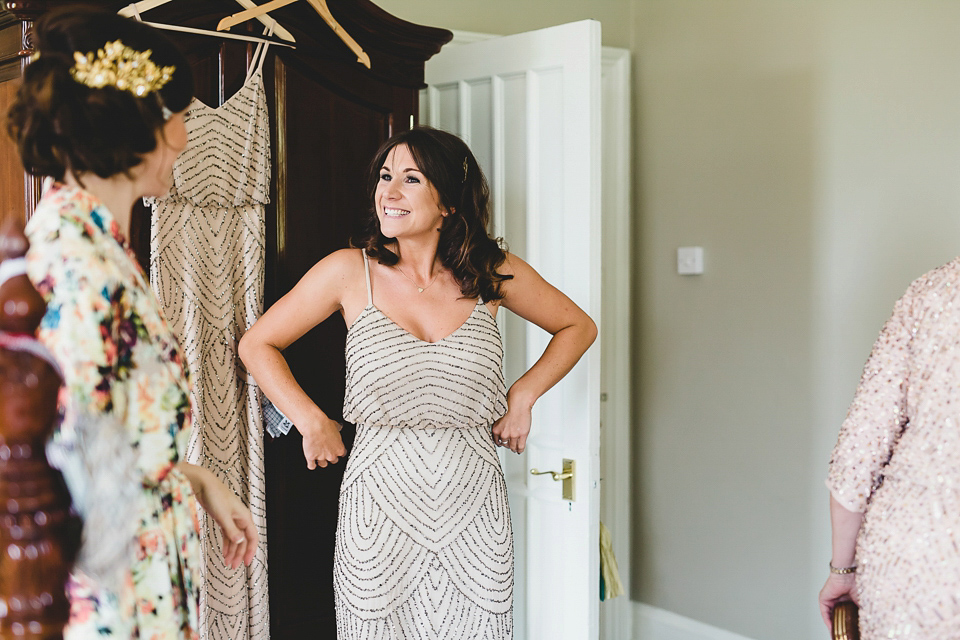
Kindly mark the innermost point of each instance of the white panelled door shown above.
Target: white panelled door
(529, 107)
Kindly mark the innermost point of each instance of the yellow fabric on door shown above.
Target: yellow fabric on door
(608, 566)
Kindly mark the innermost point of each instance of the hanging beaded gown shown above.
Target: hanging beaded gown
(424, 548)
(207, 268)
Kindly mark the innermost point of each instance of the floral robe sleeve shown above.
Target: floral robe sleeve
(120, 360)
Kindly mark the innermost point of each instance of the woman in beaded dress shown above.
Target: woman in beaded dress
(424, 546)
(894, 475)
(101, 111)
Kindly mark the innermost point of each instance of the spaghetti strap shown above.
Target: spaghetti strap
(366, 271)
(259, 54)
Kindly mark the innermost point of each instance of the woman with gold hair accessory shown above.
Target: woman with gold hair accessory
(101, 111)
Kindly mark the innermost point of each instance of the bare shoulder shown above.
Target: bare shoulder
(338, 269)
(531, 297)
(523, 284)
(510, 263)
(522, 273)
(507, 268)
(329, 285)
(346, 260)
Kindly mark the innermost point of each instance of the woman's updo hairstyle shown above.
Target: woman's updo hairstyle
(61, 125)
(465, 246)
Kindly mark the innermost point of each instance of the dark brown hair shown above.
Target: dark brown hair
(61, 125)
(465, 246)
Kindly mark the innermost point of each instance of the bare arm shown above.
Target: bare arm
(318, 295)
(845, 525)
(236, 523)
(537, 301)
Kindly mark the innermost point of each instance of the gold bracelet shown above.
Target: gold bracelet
(842, 571)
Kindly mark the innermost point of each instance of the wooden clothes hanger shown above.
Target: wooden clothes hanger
(320, 6)
(220, 34)
(133, 10)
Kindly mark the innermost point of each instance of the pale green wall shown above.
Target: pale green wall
(812, 147)
(727, 148)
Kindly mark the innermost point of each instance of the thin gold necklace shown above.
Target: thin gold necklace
(419, 288)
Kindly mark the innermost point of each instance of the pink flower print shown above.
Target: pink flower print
(150, 543)
(109, 346)
(145, 395)
(147, 608)
(80, 608)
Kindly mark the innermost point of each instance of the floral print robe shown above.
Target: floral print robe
(104, 326)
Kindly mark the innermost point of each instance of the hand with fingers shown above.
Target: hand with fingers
(838, 588)
(512, 429)
(322, 444)
(238, 531)
(233, 517)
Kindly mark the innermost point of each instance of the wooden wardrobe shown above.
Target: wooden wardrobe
(328, 116)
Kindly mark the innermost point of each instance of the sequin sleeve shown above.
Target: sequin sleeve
(877, 416)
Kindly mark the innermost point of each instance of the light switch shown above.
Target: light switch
(690, 261)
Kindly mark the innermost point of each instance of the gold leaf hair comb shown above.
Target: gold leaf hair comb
(117, 65)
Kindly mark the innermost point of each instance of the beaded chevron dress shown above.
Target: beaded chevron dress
(424, 546)
(207, 269)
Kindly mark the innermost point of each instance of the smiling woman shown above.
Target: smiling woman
(424, 545)
(456, 190)
(406, 203)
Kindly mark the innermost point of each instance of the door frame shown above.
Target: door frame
(616, 417)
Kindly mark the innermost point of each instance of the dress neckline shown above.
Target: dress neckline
(373, 307)
(248, 82)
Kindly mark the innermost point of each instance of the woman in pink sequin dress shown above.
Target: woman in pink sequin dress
(894, 475)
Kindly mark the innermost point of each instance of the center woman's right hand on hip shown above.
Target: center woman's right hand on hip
(322, 444)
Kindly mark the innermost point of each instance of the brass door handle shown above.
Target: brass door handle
(557, 476)
(567, 476)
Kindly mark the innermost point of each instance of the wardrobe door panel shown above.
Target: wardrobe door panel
(11, 171)
(323, 142)
(14, 46)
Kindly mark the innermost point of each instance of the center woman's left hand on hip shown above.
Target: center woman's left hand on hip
(512, 429)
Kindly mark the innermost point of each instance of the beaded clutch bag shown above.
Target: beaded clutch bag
(845, 624)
